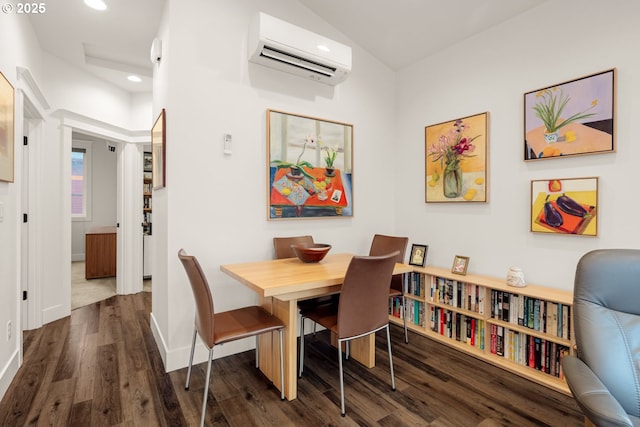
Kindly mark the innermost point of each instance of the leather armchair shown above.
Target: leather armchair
(604, 377)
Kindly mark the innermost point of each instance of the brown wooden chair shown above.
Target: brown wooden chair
(362, 308)
(219, 328)
(381, 245)
(282, 249)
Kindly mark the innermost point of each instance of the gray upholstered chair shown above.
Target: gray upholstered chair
(604, 377)
(362, 309)
(219, 328)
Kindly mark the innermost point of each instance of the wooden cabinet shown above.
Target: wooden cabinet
(523, 330)
(100, 250)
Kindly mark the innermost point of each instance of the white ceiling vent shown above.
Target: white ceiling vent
(286, 47)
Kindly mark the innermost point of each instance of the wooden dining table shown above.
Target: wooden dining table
(280, 284)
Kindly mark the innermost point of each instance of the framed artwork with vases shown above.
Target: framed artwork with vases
(456, 160)
(310, 167)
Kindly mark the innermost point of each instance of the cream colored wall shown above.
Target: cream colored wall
(553, 43)
(214, 205)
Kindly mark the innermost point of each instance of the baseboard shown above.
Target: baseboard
(77, 257)
(178, 358)
(54, 313)
(9, 372)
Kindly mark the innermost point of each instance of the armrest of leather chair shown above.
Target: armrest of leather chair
(598, 405)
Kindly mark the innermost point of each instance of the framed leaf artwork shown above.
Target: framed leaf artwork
(571, 118)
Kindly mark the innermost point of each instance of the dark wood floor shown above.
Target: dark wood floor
(101, 367)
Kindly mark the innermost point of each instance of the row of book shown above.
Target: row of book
(544, 316)
(415, 310)
(147, 187)
(458, 294)
(414, 284)
(465, 329)
(527, 350)
(146, 223)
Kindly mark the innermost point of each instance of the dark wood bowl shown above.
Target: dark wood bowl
(314, 252)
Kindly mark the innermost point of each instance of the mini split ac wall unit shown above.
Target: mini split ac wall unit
(278, 44)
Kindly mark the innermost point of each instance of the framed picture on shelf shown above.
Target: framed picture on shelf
(418, 255)
(565, 206)
(6, 129)
(460, 264)
(456, 160)
(158, 151)
(310, 167)
(571, 118)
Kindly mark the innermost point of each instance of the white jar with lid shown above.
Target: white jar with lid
(515, 277)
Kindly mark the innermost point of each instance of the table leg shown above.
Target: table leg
(269, 349)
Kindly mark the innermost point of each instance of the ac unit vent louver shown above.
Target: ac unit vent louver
(286, 47)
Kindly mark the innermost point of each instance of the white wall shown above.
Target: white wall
(103, 194)
(215, 205)
(550, 44)
(64, 87)
(17, 44)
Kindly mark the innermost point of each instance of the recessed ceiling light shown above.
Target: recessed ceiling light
(133, 78)
(96, 4)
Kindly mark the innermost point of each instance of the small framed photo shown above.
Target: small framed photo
(460, 264)
(418, 255)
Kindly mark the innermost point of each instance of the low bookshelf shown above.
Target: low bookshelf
(524, 330)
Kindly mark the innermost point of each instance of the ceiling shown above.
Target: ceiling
(115, 43)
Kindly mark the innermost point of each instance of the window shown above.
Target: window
(80, 183)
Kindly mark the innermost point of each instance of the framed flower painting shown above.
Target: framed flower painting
(570, 118)
(310, 167)
(456, 160)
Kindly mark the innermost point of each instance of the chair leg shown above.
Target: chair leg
(341, 376)
(393, 379)
(301, 347)
(404, 310)
(281, 366)
(193, 347)
(347, 350)
(206, 388)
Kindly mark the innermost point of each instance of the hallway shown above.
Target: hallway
(85, 292)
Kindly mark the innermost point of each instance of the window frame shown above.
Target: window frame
(85, 146)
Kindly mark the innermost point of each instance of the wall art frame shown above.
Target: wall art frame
(565, 206)
(418, 256)
(159, 151)
(460, 265)
(309, 167)
(456, 160)
(7, 120)
(576, 117)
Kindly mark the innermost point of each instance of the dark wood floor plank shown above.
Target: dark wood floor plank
(56, 408)
(103, 367)
(18, 400)
(107, 408)
(80, 414)
(86, 372)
